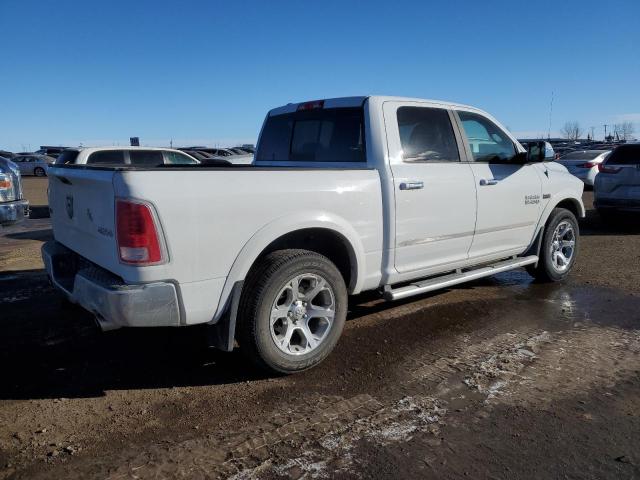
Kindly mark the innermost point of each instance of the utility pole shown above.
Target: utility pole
(550, 113)
(605, 132)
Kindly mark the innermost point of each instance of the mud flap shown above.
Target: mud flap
(534, 248)
(221, 335)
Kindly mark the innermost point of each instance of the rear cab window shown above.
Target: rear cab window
(331, 135)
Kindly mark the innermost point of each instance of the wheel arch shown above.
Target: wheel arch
(323, 233)
(568, 202)
(573, 205)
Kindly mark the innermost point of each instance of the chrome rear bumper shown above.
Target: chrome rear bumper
(114, 303)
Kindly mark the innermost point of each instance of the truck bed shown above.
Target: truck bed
(208, 215)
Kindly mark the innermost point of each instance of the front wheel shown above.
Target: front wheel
(39, 172)
(559, 247)
(292, 310)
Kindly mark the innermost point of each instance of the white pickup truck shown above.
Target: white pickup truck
(399, 195)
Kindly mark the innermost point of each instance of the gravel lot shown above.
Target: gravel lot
(501, 378)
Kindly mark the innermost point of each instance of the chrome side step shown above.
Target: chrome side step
(451, 279)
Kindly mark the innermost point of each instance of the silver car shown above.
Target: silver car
(584, 164)
(33, 164)
(617, 186)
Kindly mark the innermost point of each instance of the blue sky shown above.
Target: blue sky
(205, 72)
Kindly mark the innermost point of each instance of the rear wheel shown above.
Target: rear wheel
(292, 310)
(39, 172)
(559, 247)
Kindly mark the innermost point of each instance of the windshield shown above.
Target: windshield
(319, 135)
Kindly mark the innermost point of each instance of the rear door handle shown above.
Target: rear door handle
(486, 183)
(414, 185)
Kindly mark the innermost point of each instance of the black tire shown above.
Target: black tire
(261, 289)
(545, 270)
(39, 172)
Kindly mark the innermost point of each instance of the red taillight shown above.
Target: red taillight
(138, 241)
(316, 104)
(589, 164)
(602, 168)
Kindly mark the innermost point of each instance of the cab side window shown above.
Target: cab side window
(426, 135)
(488, 142)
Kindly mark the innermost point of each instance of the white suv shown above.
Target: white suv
(114, 156)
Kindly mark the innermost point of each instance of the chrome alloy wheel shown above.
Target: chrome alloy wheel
(302, 314)
(563, 245)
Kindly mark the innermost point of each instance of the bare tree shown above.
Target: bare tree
(617, 135)
(571, 130)
(626, 130)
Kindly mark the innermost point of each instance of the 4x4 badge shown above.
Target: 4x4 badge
(69, 206)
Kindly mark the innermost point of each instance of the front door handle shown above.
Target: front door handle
(486, 183)
(413, 185)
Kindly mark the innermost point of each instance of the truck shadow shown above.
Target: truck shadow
(49, 349)
(623, 224)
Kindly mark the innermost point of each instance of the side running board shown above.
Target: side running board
(451, 279)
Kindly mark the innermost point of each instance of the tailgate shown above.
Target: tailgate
(82, 213)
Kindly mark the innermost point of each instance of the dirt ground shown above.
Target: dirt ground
(501, 378)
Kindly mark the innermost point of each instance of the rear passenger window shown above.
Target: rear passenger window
(110, 157)
(150, 158)
(426, 135)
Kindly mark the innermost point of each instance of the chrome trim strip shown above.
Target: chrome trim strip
(422, 241)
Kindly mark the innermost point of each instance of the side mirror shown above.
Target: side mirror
(540, 152)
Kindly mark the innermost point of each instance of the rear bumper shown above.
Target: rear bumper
(13, 212)
(114, 303)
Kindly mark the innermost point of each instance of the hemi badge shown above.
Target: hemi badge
(546, 195)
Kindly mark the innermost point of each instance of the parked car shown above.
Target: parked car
(209, 154)
(13, 207)
(617, 186)
(195, 153)
(53, 152)
(33, 164)
(584, 164)
(398, 195)
(138, 156)
(7, 155)
(214, 152)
